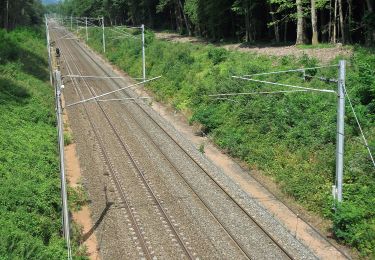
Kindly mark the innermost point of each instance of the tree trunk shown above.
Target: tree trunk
(370, 37)
(249, 37)
(178, 18)
(275, 26)
(6, 20)
(342, 27)
(314, 24)
(300, 23)
(185, 18)
(330, 21)
(334, 36)
(285, 30)
(171, 20)
(350, 9)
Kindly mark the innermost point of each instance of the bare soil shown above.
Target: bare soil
(324, 55)
(244, 178)
(262, 188)
(83, 216)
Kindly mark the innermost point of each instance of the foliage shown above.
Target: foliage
(290, 137)
(68, 139)
(244, 20)
(20, 13)
(30, 212)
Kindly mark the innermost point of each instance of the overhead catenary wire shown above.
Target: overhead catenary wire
(94, 77)
(260, 92)
(328, 80)
(285, 85)
(291, 70)
(125, 34)
(123, 99)
(360, 127)
(129, 27)
(108, 93)
(93, 25)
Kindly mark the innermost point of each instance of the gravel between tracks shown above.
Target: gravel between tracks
(176, 196)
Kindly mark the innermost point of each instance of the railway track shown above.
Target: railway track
(134, 163)
(243, 247)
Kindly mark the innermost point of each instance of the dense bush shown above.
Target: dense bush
(290, 137)
(30, 220)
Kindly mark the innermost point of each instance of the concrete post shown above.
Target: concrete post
(340, 130)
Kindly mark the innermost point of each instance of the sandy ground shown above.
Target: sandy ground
(324, 55)
(258, 186)
(246, 179)
(83, 216)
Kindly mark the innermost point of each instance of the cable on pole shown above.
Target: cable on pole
(261, 92)
(292, 70)
(108, 93)
(93, 77)
(122, 99)
(286, 85)
(360, 128)
(64, 196)
(125, 34)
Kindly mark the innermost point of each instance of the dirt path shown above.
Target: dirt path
(244, 179)
(324, 55)
(256, 185)
(81, 217)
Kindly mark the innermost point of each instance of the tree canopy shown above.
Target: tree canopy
(20, 12)
(246, 20)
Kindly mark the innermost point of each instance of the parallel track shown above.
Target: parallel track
(197, 164)
(135, 165)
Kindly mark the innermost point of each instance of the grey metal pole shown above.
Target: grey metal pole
(77, 24)
(87, 35)
(71, 23)
(340, 130)
(103, 35)
(143, 53)
(64, 196)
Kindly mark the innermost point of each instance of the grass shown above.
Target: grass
(317, 46)
(30, 211)
(290, 137)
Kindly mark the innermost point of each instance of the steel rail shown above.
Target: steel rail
(141, 173)
(198, 164)
(114, 176)
(258, 181)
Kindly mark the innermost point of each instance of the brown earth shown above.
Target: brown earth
(324, 55)
(245, 179)
(83, 216)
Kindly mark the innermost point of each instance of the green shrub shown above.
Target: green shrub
(30, 212)
(291, 137)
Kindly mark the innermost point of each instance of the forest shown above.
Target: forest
(289, 138)
(276, 21)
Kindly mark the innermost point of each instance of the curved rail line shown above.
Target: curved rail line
(137, 167)
(204, 170)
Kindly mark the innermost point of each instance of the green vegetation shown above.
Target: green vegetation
(290, 137)
(30, 211)
(68, 138)
(277, 21)
(29, 191)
